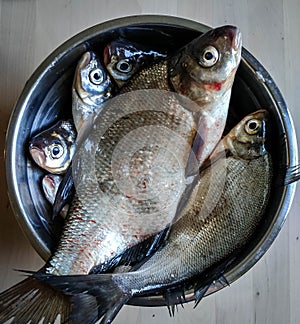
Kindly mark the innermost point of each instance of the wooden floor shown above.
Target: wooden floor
(31, 29)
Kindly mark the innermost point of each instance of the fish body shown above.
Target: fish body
(227, 205)
(129, 176)
(92, 86)
(123, 59)
(53, 148)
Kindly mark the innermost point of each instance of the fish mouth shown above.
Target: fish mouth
(50, 179)
(86, 58)
(237, 40)
(107, 53)
(235, 36)
(38, 155)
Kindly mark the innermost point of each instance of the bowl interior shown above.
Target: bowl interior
(47, 98)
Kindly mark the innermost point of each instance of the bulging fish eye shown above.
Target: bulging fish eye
(124, 66)
(56, 151)
(209, 57)
(252, 126)
(96, 76)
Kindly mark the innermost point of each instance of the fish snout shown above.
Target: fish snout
(235, 36)
(37, 154)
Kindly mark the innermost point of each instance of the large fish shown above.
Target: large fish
(130, 179)
(123, 59)
(226, 207)
(53, 148)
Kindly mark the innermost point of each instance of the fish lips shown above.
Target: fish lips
(37, 154)
(235, 35)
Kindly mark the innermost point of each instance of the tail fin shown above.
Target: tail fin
(109, 296)
(31, 300)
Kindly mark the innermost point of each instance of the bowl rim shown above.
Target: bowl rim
(63, 50)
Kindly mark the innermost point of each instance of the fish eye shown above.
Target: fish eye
(56, 151)
(124, 66)
(252, 126)
(96, 76)
(209, 57)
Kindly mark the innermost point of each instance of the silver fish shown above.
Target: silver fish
(92, 86)
(53, 148)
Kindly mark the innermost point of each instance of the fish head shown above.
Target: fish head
(205, 68)
(54, 148)
(92, 84)
(247, 139)
(123, 59)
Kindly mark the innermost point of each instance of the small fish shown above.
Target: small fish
(53, 148)
(227, 206)
(50, 184)
(123, 59)
(92, 86)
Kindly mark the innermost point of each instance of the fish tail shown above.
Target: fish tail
(31, 300)
(106, 293)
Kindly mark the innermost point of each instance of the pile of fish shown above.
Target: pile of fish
(145, 181)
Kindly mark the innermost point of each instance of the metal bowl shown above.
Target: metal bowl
(46, 98)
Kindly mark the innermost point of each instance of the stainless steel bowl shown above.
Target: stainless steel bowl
(47, 97)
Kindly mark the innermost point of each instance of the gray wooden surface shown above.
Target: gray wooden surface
(31, 29)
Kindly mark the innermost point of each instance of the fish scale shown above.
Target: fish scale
(155, 76)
